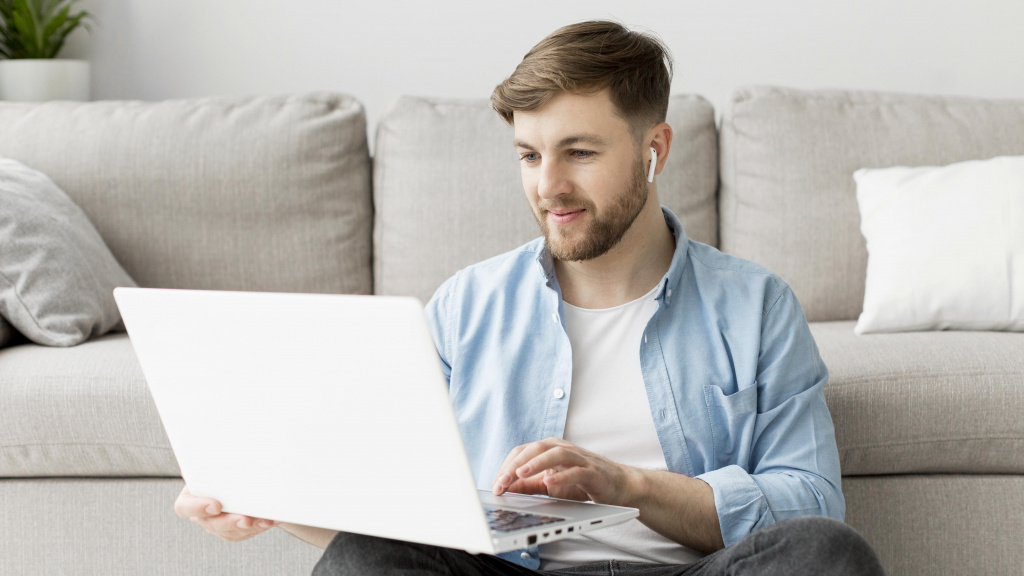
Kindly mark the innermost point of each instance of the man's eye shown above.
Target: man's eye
(582, 154)
(530, 158)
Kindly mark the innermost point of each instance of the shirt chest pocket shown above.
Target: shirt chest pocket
(732, 424)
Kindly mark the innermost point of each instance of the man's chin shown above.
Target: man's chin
(570, 251)
(559, 247)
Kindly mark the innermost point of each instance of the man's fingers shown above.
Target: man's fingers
(208, 513)
(558, 456)
(576, 475)
(533, 485)
(187, 506)
(241, 521)
(519, 455)
(507, 465)
(246, 522)
(233, 527)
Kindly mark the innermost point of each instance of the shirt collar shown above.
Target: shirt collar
(675, 270)
(668, 283)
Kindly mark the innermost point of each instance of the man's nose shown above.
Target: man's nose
(553, 180)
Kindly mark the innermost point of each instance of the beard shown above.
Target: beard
(604, 230)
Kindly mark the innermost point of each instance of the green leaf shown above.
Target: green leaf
(37, 28)
(24, 25)
(55, 24)
(37, 25)
(57, 44)
(47, 8)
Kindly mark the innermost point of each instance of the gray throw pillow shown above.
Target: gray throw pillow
(56, 273)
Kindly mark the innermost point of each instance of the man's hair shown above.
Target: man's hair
(589, 57)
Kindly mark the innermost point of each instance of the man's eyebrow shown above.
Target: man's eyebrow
(592, 139)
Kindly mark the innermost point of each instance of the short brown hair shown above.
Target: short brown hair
(588, 57)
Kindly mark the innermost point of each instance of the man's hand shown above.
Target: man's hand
(560, 469)
(207, 513)
(676, 506)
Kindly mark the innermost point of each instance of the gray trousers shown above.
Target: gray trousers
(808, 545)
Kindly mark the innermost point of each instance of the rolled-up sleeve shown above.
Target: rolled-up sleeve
(794, 462)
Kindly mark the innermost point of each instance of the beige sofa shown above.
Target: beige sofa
(276, 194)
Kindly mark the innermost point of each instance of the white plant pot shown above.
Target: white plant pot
(38, 80)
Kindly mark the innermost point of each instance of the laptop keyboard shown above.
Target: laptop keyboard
(509, 520)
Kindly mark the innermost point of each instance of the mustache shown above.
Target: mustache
(565, 204)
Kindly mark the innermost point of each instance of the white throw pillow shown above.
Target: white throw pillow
(945, 246)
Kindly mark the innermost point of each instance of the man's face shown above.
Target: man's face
(582, 173)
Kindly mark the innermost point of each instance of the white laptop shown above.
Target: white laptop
(329, 411)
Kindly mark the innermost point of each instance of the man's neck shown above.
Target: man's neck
(626, 272)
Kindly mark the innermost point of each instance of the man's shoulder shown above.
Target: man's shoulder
(715, 270)
(499, 272)
(511, 262)
(713, 259)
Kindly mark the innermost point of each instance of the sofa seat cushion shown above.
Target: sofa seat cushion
(925, 402)
(80, 411)
(934, 402)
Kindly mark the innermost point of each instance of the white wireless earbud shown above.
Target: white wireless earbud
(654, 162)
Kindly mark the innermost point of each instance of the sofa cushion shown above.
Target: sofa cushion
(788, 199)
(925, 402)
(448, 191)
(268, 193)
(56, 275)
(127, 527)
(81, 411)
(923, 524)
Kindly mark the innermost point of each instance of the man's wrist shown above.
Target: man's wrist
(638, 484)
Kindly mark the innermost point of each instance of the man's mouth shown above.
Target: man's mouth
(562, 216)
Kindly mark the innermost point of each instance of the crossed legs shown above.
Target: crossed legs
(809, 545)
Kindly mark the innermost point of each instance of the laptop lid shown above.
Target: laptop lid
(236, 376)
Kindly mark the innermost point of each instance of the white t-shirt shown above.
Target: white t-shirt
(609, 414)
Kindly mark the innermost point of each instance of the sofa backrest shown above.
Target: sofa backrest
(448, 193)
(788, 199)
(264, 194)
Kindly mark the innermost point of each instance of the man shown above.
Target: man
(615, 360)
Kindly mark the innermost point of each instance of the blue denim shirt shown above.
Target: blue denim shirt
(731, 370)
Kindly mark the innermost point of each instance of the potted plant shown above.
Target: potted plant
(32, 33)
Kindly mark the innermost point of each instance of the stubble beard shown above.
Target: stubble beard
(603, 231)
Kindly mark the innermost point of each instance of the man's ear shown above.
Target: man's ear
(659, 137)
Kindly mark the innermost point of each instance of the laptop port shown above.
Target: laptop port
(569, 529)
(557, 532)
(530, 541)
(546, 534)
(596, 522)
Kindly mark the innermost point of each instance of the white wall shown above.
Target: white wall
(378, 50)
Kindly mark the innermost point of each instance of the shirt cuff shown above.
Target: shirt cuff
(742, 507)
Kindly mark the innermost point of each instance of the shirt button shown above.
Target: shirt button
(559, 393)
(670, 293)
(525, 555)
